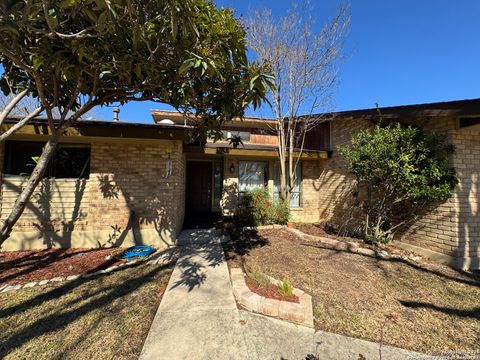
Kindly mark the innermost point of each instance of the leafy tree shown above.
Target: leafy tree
(403, 171)
(73, 55)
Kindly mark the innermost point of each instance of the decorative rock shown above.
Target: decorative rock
(237, 277)
(11, 288)
(306, 302)
(88, 275)
(352, 245)
(291, 311)
(270, 307)
(43, 282)
(297, 292)
(383, 254)
(72, 277)
(300, 313)
(251, 301)
(366, 252)
(110, 269)
(30, 284)
(57, 279)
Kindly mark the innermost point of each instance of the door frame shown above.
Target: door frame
(187, 175)
(213, 207)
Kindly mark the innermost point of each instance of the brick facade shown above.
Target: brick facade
(126, 200)
(453, 229)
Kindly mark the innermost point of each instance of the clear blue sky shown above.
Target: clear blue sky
(398, 52)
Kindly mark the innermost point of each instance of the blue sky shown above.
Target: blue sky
(398, 52)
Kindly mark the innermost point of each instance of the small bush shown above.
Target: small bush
(285, 288)
(257, 208)
(282, 212)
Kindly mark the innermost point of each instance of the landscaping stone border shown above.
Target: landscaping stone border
(300, 313)
(160, 258)
(351, 246)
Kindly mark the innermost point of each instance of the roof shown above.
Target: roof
(107, 123)
(102, 128)
(455, 108)
(177, 117)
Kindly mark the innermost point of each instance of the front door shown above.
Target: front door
(199, 187)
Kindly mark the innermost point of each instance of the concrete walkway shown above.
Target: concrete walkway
(198, 318)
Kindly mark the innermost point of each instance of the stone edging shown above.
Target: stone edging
(351, 246)
(300, 313)
(155, 258)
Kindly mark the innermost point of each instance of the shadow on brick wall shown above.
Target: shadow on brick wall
(55, 228)
(145, 212)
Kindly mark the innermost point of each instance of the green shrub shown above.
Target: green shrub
(281, 212)
(285, 288)
(257, 208)
(404, 173)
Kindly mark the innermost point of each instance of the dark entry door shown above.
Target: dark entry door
(199, 187)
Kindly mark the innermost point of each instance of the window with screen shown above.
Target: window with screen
(296, 195)
(70, 161)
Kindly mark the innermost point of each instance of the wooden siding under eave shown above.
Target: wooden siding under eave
(268, 153)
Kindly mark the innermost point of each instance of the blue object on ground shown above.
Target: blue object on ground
(137, 251)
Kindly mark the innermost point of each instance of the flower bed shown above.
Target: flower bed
(270, 293)
(300, 313)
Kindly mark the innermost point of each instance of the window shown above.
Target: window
(252, 175)
(468, 121)
(244, 135)
(69, 161)
(296, 196)
(217, 182)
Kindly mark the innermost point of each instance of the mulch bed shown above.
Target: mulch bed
(271, 293)
(416, 305)
(19, 267)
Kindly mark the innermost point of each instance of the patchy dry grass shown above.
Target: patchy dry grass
(101, 318)
(424, 307)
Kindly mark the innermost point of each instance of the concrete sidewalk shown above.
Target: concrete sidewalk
(198, 318)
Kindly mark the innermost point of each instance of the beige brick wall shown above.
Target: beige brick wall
(452, 229)
(126, 200)
(327, 185)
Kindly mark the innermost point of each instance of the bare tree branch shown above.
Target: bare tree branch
(20, 124)
(11, 105)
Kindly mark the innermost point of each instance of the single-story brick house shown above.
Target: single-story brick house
(118, 183)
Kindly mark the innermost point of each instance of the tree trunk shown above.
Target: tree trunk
(281, 156)
(28, 190)
(291, 166)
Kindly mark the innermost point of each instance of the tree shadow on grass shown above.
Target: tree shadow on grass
(38, 261)
(471, 314)
(61, 319)
(464, 277)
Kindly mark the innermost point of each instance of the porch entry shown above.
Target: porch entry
(203, 192)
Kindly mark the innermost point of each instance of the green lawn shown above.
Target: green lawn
(101, 318)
